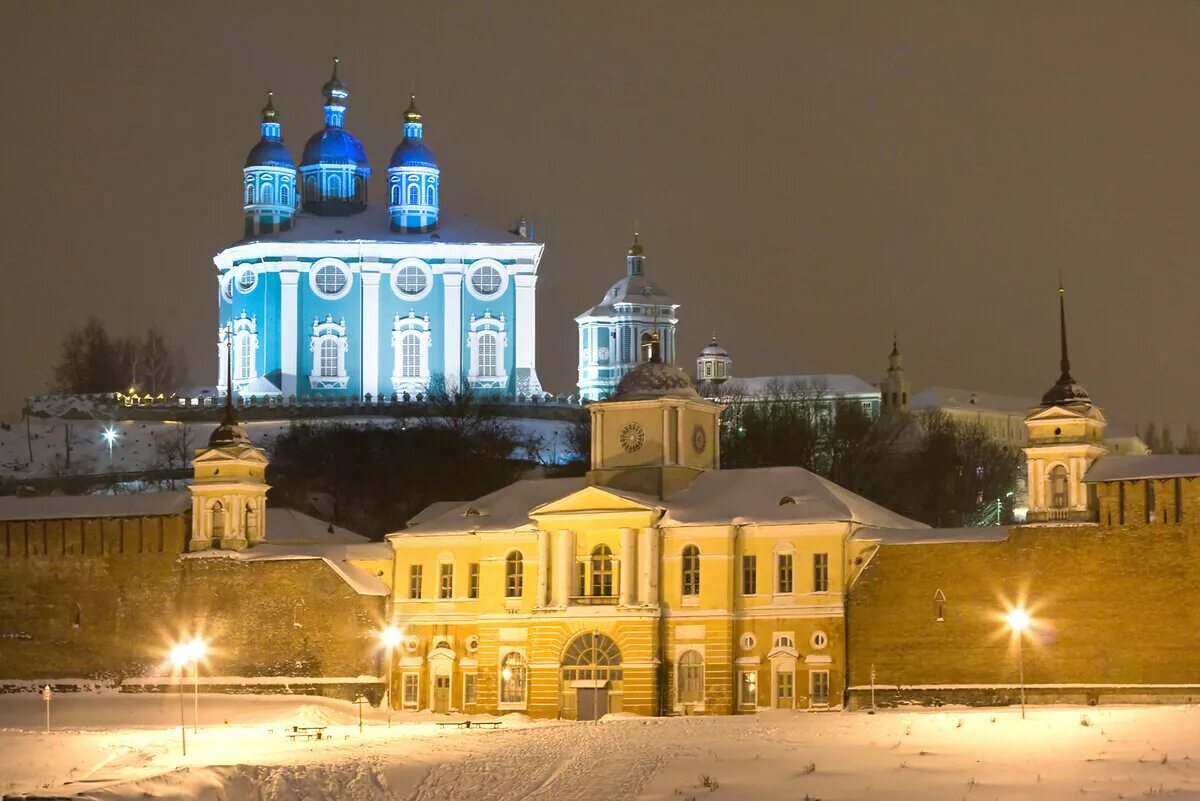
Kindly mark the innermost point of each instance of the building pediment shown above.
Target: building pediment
(1052, 413)
(597, 503)
(240, 454)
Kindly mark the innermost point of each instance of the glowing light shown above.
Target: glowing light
(390, 636)
(110, 434)
(181, 655)
(507, 674)
(1018, 620)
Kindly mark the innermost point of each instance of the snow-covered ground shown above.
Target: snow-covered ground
(110, 746)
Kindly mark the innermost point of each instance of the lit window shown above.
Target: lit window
(785, 573)
(329, 358)
(410, 356)
(446, 580)
(691, 570)
(748, 694)
(691, 678)
(514, 576)
(412, 686)
(414, 581)
(330, 281)
(487, 355)
(411, 280)
(414, 195)
(487, 280)
(820, 572)
(602, 571)
(512, 679)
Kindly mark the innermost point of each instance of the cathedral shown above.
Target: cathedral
(327, 296)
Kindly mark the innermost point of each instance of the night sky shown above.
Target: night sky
(806, 177)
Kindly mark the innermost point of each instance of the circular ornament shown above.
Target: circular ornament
(632, 437)
(699, 438)
(472, 643)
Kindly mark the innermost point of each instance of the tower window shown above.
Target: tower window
(285, 195)
(249, 194)
(414, 195)
(264, 194)
(431, 196)
(335, 185)
(310, 188)
(1058, 487)
(395, 194)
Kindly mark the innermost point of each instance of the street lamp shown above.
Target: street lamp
(180, 655)
(196, 649)
(390, 638)
(110, 436)
(1018, 621)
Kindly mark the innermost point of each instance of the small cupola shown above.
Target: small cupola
(269, 178)
(413, 178)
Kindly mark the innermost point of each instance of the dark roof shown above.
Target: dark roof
(655, 380)
(70, 507)
(1132, 468)
(270, 153)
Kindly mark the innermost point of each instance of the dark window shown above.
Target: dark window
(514, 575)
(581, 583)
(602, 571)
(785, 573)
(691, 570)
(414, 581)
(820, 572)
(446, 580)
(749, 575)
(473, 580)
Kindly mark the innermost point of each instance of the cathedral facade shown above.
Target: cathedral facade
(328, 296)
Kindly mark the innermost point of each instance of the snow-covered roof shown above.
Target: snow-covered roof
(966, 399)
(1132, 468)
(290, 526)
(63, 507)
(762, 496)
(932, 536)
(433, 510)
(374, 225)
(830, 383)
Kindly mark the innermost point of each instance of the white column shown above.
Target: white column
(453, 288)
(648, 566)
(370, 330)
(288, 325)
(526, 323)
(543, 541)
(564, 566)
(628, 564)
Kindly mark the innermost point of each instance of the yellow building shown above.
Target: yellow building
(658, 584)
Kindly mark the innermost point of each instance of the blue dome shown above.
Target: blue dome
(270, 153)
(334, 146)
(412, 153)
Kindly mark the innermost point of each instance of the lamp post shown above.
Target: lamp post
(196, 650)
(1018, 621)
(179, 658)
(391, 638)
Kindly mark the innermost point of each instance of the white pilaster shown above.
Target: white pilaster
(628, 564)
(453, 289)
(647, 563)
(289, 281)
(564, 567)
(526, 323)
(543, 575)
(370, 330)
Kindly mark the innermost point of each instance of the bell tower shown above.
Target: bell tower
(895, 388)
(229, 489)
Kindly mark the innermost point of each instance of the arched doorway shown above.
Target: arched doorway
(591, 676)
(1058, 487)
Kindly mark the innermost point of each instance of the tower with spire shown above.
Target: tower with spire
(269, 177)
(895, 388)
(713, 366)
(1066, 434)
(634, 322)
(334, 168)
(413, 178)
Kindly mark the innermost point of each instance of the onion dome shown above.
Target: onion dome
(334, 144)
(412, 151)
(414, 180)
(334, 164)
(270, 150)
(656, 379)
(714, 349)
(229, 434)
(1065, 392)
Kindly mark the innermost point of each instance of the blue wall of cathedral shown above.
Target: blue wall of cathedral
(328, 296)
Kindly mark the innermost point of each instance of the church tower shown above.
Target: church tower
(1066, 434)
(414, 180)
(634, 316)
(713, 365)
(895, 389)
(229, 489)
(334, 167)
(269, 179)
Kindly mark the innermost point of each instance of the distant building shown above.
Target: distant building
(713, 366)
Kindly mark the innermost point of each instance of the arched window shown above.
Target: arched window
(649, 345)
(360, 189)
(691, 570)
(285, 194)
(514, 575)
(512, 679)
(328, 366)
(410, 356)
(251, 521)
(249, 194)
(395, 195)
(487, 355)
(414, 195)
(218, 520)
(76, 616)
(691, 677)
(335, 186)
(266, 194)
(431, 196)
(310, 188)
(602, 571)
(1058, 487)
(245, 360)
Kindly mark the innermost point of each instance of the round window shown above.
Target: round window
(411, 643)
(472, 643)
(818, 640)
(486, 281)
(411, 280)
(748, 641)
(247, 280)
(632, 437)
(330, 279)
(227, 289)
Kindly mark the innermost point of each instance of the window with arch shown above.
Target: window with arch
(310, 188)
(1058, 487)
(328, 345)
(249, 193)
(514, 575)
(327, 366)
(285, 194)
(487, 341)
(602, 571)
(335, 185)
(512, 679)
(593, 656)
(410, 345)
(395, 198)
(690, 568)
(410, 356)
(266, 194)
(218, 520)
(244, 366)
(691, 677)
(487, 355)
(414, 195)
(250, 520)
(431, 195)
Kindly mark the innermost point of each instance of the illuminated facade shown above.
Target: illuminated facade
(659, 584)
(327, 296)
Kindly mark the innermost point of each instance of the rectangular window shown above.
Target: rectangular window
(818, 688)
(473, 580)
(468, 689)
(785, 573)
(412, 688)
(748, 692)
(446, 580)
(414, 581)
(749, 575)
(820, 572)
(581, 579)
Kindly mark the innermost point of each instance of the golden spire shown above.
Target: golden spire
(412, 114)
(268, 111)
(636, 248)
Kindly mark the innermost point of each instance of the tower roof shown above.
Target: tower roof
(656, 379)
(229, 434)
(412, 150)
(714, 349)
(270, 150)
(334, 144)
(1065, 390)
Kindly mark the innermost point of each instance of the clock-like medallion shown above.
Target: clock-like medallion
(632, 437)
(699, 438)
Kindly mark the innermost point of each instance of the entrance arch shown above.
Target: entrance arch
(591, 676)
